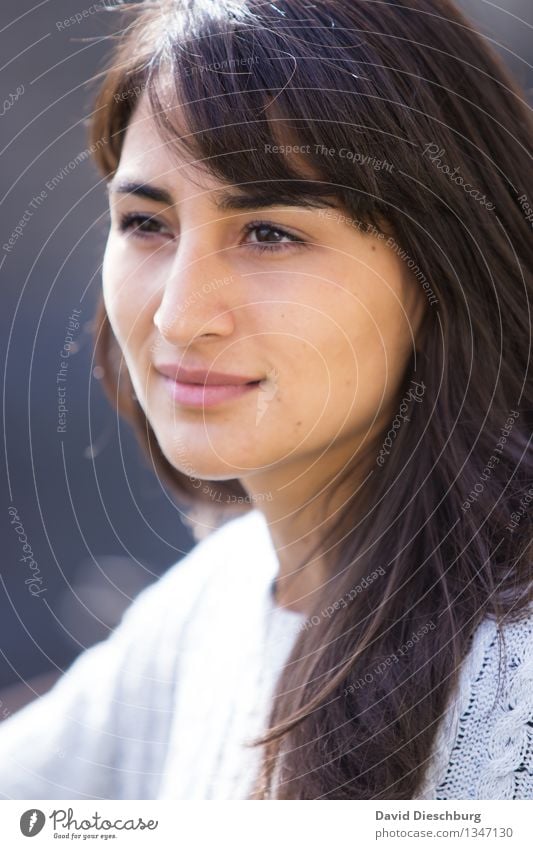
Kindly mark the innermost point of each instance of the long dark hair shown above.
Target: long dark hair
(439, 537)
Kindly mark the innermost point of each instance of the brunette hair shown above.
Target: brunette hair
(438, 537)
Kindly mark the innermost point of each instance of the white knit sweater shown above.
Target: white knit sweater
(163, 707)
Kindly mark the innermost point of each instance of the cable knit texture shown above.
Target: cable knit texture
(491, 720)
(165, 707)
(484, 744)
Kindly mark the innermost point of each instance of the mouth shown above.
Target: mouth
(202, 388)
(201, 395)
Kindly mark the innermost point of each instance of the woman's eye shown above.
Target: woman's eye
(141, 225)
(268, 237)
(262, 235)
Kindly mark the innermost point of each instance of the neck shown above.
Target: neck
(300, 508)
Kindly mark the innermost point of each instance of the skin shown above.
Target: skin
(327, 326)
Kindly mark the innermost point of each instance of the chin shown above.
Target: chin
(216, 454)
(203, 467)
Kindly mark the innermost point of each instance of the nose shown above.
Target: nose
(195, 301)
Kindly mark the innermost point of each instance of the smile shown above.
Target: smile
(202, 396)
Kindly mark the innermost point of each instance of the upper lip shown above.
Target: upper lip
(202, 376)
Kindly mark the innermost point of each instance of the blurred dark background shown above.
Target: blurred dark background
(98, 522)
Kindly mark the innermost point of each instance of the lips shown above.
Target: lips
(203, 377)
(201, 389)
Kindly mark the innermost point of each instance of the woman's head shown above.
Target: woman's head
(335, 111)
(395, 147)
(324, 318)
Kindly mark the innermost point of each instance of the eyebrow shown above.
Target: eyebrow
(315, 195)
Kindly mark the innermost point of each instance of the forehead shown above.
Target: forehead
(148, 156)
(144, 136)
(146, 144)
(236, 172)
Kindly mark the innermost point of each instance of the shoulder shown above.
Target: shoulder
(486, 736)
(108, 719)
(500, 658)
(216, 559)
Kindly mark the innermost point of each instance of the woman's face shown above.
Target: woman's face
(321, 315)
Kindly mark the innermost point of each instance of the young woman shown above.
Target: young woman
(317, 314)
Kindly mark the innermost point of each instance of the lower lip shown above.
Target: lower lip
(196, 395)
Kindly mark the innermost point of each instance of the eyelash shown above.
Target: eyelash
(275, 246)
(127, 224)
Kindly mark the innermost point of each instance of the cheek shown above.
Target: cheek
(350, 348)
(128, 302)
(114, 289)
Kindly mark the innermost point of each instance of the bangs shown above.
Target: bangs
(253, 102)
